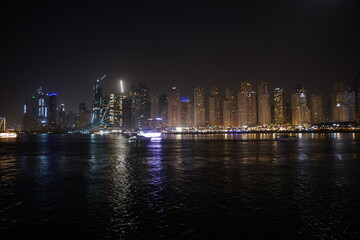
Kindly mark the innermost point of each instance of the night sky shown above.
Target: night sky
(64, 47)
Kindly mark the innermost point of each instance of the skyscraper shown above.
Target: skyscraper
(37, 111)
(140, 106)
(343, 103)
(84, 115)
(316, 108)
(127, 113)
(247, 105)
(62, 116)
(199, 107)
(230, 108)
(215, 107)
(97, 98)
(279, 106)
(300, 108)
(52, 111)
(187, 112)
(114, 114)
(154, 105)
(174, 108)
(264, 109)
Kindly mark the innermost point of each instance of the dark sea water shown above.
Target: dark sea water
(182, 187)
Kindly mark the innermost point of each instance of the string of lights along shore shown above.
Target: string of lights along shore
(251, 107)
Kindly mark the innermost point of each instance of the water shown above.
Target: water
(183, 187)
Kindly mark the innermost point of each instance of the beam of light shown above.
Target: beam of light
(121, 86)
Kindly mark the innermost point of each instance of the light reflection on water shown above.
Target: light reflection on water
(205, 185)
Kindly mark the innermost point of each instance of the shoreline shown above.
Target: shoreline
(213, 132)
(272, 132)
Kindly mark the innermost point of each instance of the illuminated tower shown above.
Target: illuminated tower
(264, 109)
(97, 98)
(174, 108)
(343, 103)
(316, 108)
(199, 107)
(52, 111)
(187, 112)
(247, 105)
(27, 117)
(279, 106)
(215, 107)
(230, 108)
(300, 108)
(38, 110)
(140, 106)
(62, 116)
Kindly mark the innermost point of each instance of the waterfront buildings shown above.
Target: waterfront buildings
(52, 111)
(264, 109)
(300, 109)
(97, 98)
(243, 109)
(112, 111)
(247, 108)
(140, 106)
(279, 106)
(154, 105)
(215, 107)
(343, 103)
(316, 108)
(230, 108)
(199, 107)
(187, 112)
(84, 115)
(174, 108)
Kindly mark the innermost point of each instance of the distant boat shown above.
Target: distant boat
(285, 137)
(8, 135)
(139, 138)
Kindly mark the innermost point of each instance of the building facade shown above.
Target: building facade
(247, 111)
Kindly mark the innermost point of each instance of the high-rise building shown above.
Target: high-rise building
(84, 115)
(247, 112)
(113, 114)
(127, 113)
(27, 117)
(230, 108)
(71, 121)
(279, 106)
(187, 112)
(215, 107)
(154, 105)
(199, 107)
(62, 116)
(264, 109)
(174, 108)
(140, 106)
(343, 103)
(300, 108)
(316, 108)
(97, 100)
(163, 107)
(52, 111)
(38, 110)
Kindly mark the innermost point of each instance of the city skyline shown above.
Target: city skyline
(139, 109)
(64, 48)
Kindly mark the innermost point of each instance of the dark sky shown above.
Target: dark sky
(64, 47)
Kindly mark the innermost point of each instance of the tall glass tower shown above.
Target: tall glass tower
(96, 109)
